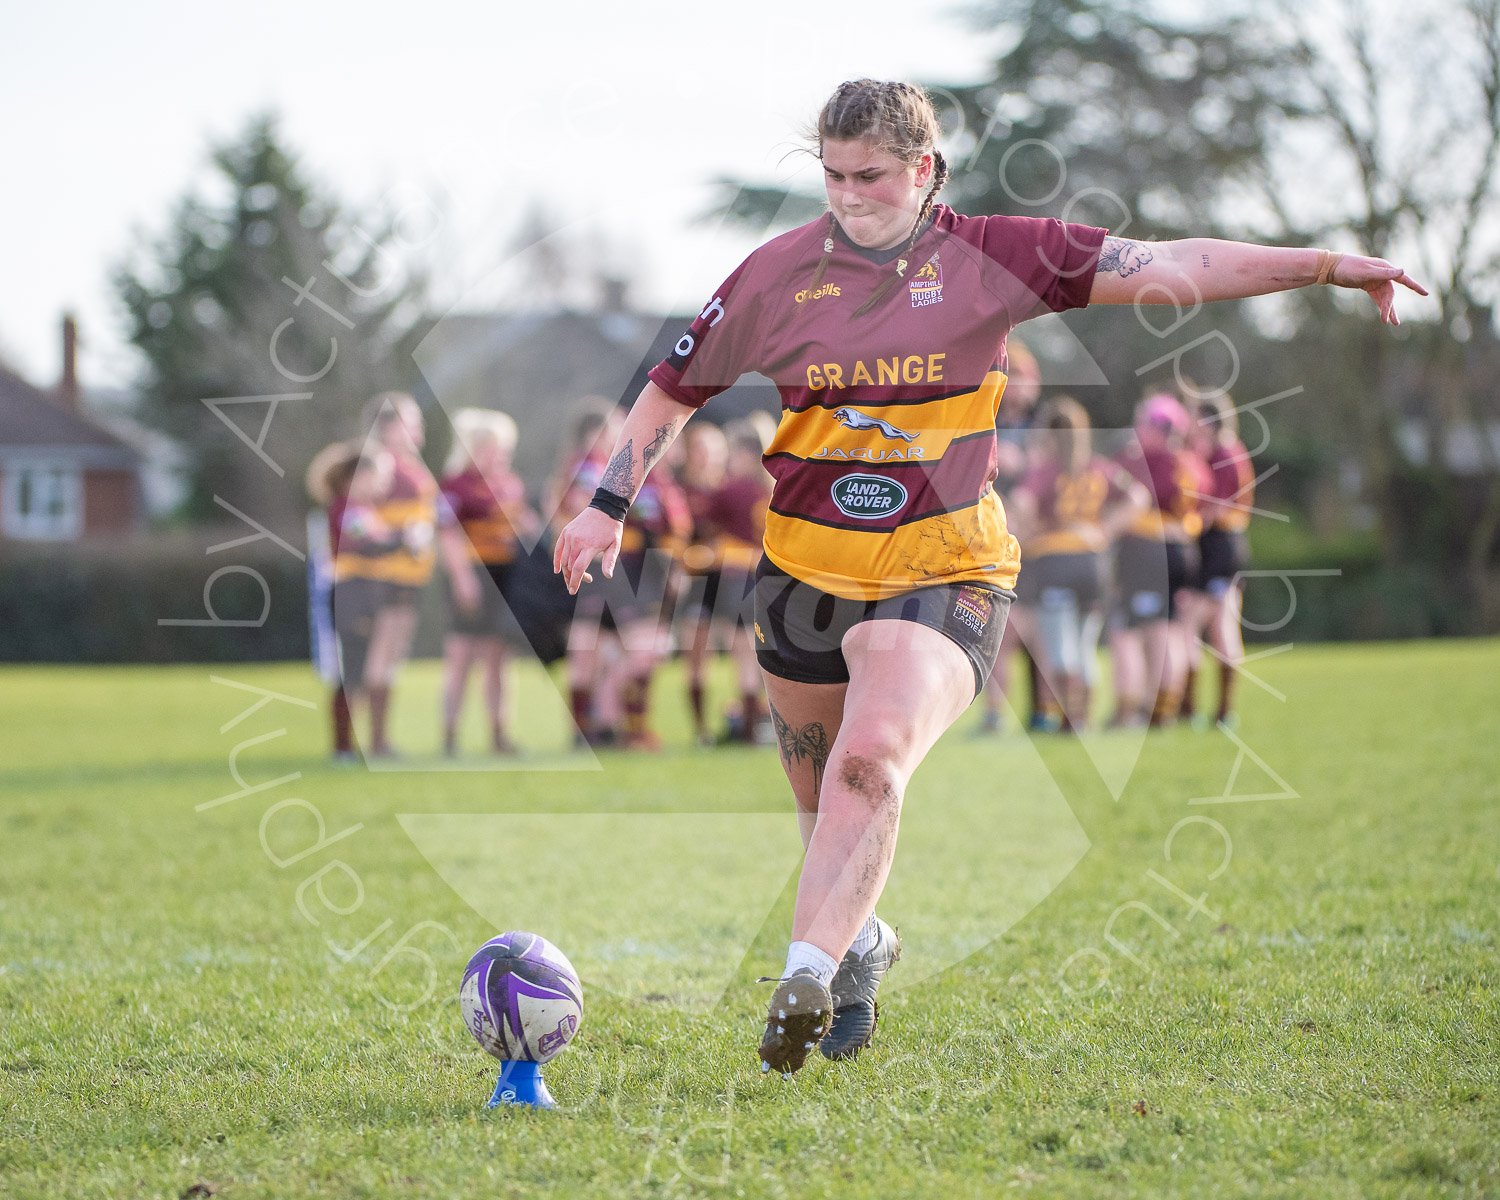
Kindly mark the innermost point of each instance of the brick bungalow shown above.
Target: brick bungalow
(63, 477)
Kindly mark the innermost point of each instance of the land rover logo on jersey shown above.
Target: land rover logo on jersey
(868, 497)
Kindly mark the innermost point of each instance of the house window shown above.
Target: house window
(42, 502)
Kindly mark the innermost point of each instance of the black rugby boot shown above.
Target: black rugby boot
(855, 1013)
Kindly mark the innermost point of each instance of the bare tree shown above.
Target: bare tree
(1403, 106)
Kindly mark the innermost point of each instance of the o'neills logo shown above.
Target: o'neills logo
(868, 497)
(828, 289)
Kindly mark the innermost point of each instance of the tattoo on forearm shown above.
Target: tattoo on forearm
(1122, 256)
(810, 743)
(619, 476)
(659, 444)
(1205, 261)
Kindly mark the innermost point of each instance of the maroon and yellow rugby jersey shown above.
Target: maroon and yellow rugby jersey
(409, 509)
(699, 555)
(484, 509)
(1175, 479)
(1233, 487)
(738, 515)
(885, 454)
(1069, 506)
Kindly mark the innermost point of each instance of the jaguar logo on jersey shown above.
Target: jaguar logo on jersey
(867, 497)
(854, 419)
(927, 284)
(972, 607)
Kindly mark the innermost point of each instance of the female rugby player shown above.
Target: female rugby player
(1156, 562)
(481, 519)
(1071, 502)
(705, 455)
(888, 567)
(1223, 549)
(409, 507)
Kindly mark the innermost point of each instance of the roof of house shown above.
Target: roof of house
(536, 366)
(29, 417)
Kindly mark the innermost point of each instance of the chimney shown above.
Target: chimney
(67, 386)
(614, 295)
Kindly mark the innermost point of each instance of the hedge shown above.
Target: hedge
(103, 602)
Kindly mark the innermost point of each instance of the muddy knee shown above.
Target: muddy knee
(871, 781)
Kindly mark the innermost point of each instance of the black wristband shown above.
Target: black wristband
(610, 504)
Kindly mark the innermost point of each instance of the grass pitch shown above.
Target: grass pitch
(1266, 967)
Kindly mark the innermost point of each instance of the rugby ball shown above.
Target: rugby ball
(521, 998)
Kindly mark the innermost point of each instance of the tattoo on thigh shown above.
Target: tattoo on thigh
(810, 743)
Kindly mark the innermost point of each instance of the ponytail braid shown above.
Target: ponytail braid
(817, 279)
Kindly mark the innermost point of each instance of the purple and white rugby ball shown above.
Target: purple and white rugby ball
(521, 998)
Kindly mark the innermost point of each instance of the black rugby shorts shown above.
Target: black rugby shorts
(799, 630)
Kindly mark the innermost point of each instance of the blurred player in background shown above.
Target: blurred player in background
(630, 610)
(1223, 550)
(594, 703)
(700, 474)
(1070, 504)
(1023, 388)
(593, 425)
(351, 481)
(738, 516)
(1155, 560)
(329, 476)
(409, 508)
(482, 517)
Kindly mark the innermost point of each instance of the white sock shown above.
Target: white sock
(865, 939)
(805, 954)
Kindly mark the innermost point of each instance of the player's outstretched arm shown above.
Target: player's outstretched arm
(1191, 270)
(652, 425)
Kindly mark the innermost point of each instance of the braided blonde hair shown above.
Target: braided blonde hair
(898, 118)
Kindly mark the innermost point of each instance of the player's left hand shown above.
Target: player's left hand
(591, 534)
(1379, 278)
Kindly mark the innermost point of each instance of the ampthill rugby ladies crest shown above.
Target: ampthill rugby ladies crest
(972, 606)
(927, 284)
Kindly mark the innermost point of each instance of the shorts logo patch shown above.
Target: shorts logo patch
(927, 284)
(867, 497)
(972, 608)
(759, 635)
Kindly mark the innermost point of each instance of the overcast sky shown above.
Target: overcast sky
(615, 115)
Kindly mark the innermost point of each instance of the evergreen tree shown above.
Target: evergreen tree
(265, 287)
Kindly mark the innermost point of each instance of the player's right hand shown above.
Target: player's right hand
(591, 534)
(1379, 278)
